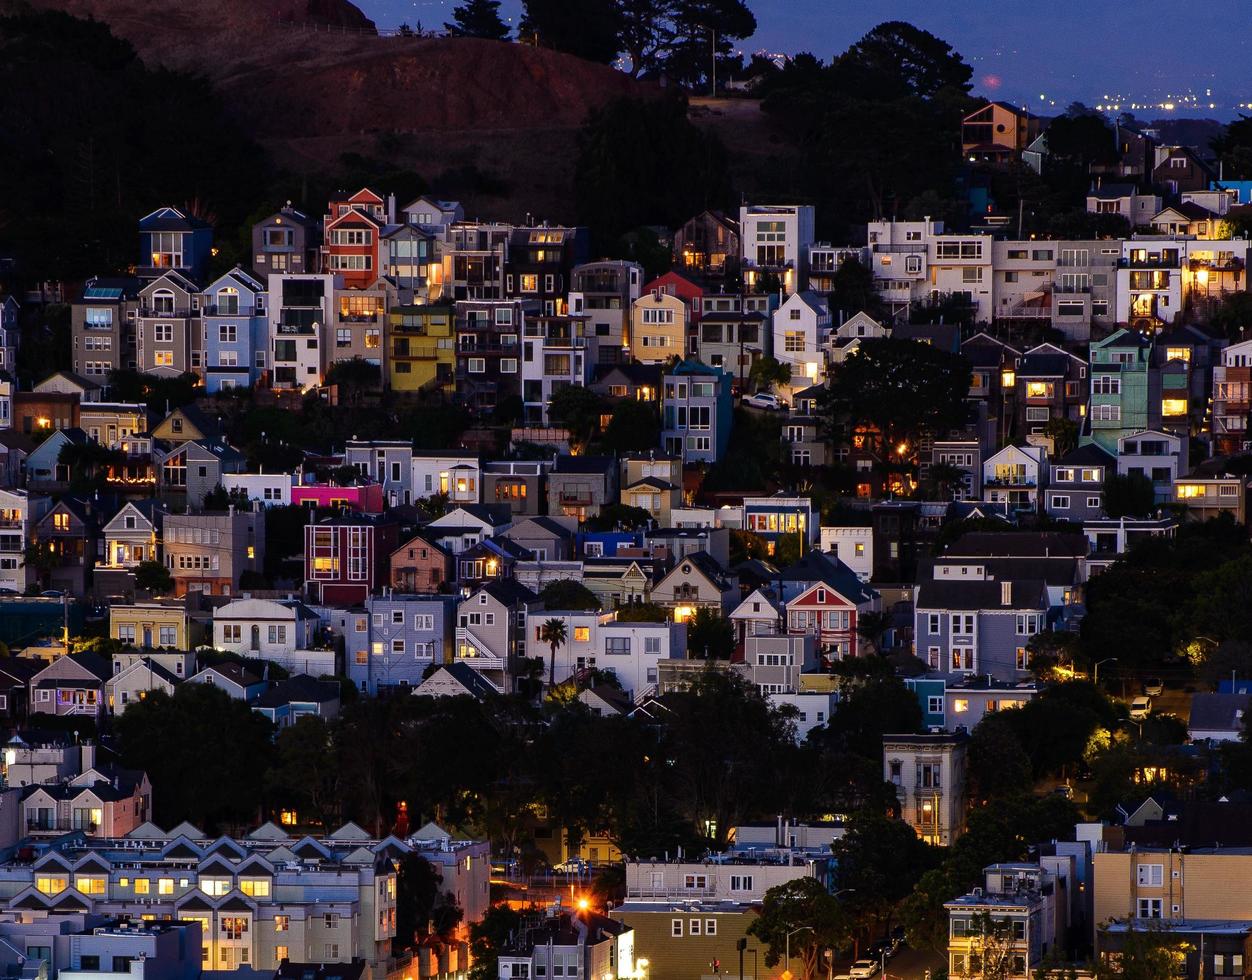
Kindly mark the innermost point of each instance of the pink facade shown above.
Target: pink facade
(366, 498)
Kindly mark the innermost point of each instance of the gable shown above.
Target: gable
(821, 595)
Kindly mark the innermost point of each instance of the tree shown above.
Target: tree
(880, 859)
(675, 36)
(643, 162)
(801, 917)
(553, 633)
(578, 409)
(900, 388)
(219, 498)
(356, 376)
(1146, 954)
(710, 635)
(208, 751)
(306, 773)
(488, 937)
(478, 18)
(1233, 315)
(854, 291)
(998, 765)
(766, 373)
(642, 612)
(586, 28)
(421, 906)
(154, 577)
(1064, 435)
(635, 426)
(567, 594)
(1128, 495)
(872, 627)
(618, 516)
(896, 60)
(39, 557)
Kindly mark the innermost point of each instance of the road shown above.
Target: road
(908, 964)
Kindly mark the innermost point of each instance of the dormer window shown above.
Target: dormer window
(163, 302)
(228, 301)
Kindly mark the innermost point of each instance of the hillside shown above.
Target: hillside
(312, 81)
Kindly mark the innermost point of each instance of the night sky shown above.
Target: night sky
(1145, 51)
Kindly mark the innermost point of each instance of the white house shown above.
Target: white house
(775, 239)
(463, 527)
(631, 651)
(458, 475)
(801, 337)
(1159, 456)
(267, 489)
(132, 684)
(1014, 476)
(18, 514)
(853, 545)
(848, 335)
(282, 631)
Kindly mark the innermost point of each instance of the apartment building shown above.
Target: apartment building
(299, 309)
(236, 331)
(1232, 399)
(396, 637)
(696, 412)
(287, 241)
(658, 327)
(775, 241)
(801, 328)
(557, 352)
(488, 351)
(169, 339)
(928, 772)
(102, 327)
(605, 293)
(352, 237)
(346, 558)
(422, 351)
(19, 513)
(210, 552)
(357, 325)
(1025, 906)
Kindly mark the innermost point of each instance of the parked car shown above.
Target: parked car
(863, 969)
(1154, 687)
(574, 866)
(1140, 707)
(765, 399)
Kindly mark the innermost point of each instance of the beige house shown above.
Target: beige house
(653, 483)
(133, 683)
(1163, 883)
(928, 772)
(658, 327)
(147, 625)
(209, 552)
(697, 581)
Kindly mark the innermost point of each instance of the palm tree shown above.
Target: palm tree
(553, 633)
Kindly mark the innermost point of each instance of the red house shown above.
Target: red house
(352, 238)
(346, 558)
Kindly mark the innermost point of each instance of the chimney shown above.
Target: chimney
(1006, 593)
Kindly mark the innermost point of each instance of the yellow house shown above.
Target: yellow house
(149, 624)
(1169, 884)
(423, 347)
(658, 327)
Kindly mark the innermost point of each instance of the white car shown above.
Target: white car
(1140, 707)
(863, 969)
(765, 399)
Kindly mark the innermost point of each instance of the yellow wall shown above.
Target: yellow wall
(688, 957)
(430, 343)
(149, 617)
(1203, 886)
(645, 337)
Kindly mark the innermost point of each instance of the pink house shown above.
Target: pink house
(367, 498)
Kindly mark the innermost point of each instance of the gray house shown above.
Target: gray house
(516, 482)
(102, 322)
(188, 472)
(491, 629)
(395, 639)
(965, 626)
(1076, 490)
(388, 462)
(169, 340)
(579, 486)
(547, 538)
(286, 241)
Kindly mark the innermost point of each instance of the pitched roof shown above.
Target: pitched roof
(301, 687)
(1088, 455)
(817, 566)
(584, 464)
(709, 567)
(980, 594)
(508, 591)
(1218, 712)
(474, 683)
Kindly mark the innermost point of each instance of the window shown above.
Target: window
(693, 927)
(163, 358)
(1060, 501)
(1103, 384)
(741, 883)
(695, 882)
(934, 705)
(676, 928)
(163, 333)
(793, 341)
(281, 953)
(282, 923)
(477, 365)
(617, 646)
(710, 927)
(1151, 875)
(1149, 908)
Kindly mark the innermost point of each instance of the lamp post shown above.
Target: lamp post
(1095, 674)
(788, 943)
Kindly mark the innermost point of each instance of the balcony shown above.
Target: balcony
(1071, 288)
(580, 497)
(179, 313)
(214, 309)
(1231, 264)
(1150, 262)
(417, 352)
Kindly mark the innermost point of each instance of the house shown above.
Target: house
(778, 516)
(299, 696)
(1015, 476)
(465, 526)
(557, 352)
(453, 680)
(102, 326)
(1126, 201)
(696, 412)
(697, 581)
(191, 471)
(998, 133)
(150, 625)
(1177, 169)
(775, 664)
(396, 638)
(266, 489)
(433, 214)
(803, 433)
(1207, 497)
(69, 534)
(234, 678)
(15, 676)
(1029, 906)
(44, 469)
(15, 449)
(456, 475)
(802, 331)
(19, 513)
(10, 334)
(488, 351)
(652, 482)
(579, 944)
(605, 701)
(286, 241)
(346, 558)
(106, 803)
(853, 545)
(419, 565)
(775, 241)
(733, 339)
(186, 424)
(578, 486)
(824, 598)
(517, 483)
(1076, 484)
(299, 306)
(966, 622)
(546, 538)
(422, 355)
(71, 685)
(1217, 717)
(212, 551)
(388, 462)
(352, 238)
(539, 263)
(707, 246)
(963, 460)
(283, 630)
(491, 629)
(236, 331)
(133, 683)
(1122, 379)
(1232, 399)
(354, 494)
(1158, 456)
(168, 334)
(491, 558)
(1051, 383)
(636, 382)
(658, 327)
(171, 239)
(928, 772)
(672, 544)
(358, 319)
(632, 652)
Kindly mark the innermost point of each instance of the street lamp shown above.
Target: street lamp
(1095, 674)
(788, 943)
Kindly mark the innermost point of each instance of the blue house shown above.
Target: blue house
(930, 693)
(171, 239)
(780, 515)
(396, 638)
(236, 331)
(697, 412)
(604, 544)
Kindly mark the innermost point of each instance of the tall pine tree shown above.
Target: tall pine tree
(478, 18)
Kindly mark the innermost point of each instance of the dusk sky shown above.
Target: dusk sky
(1065, 49)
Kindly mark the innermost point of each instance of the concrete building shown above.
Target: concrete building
(928, 772)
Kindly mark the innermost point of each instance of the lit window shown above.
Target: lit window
(960, 704)
(1174, 406)
(582, 634)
